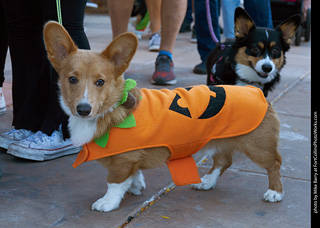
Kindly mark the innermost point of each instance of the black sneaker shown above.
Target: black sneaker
(201, 68)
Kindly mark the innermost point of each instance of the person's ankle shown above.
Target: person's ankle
(167, 53)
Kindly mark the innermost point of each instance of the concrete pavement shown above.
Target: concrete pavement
(53, 194)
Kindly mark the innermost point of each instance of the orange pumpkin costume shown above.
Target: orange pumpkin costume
(184, 120)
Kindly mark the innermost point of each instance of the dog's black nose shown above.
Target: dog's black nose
(267, 67)
(83, 109)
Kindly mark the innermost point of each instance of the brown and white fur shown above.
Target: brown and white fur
(91, 85)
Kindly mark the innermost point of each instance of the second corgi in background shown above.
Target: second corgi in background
(255, 57)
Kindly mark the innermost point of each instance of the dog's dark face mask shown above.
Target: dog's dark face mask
(264, 42)
(263, 49)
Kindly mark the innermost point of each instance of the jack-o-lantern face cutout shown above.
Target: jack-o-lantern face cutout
(213, 107)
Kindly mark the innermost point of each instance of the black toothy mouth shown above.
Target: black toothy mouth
(262, 75)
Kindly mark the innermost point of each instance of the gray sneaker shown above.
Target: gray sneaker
(13, 136)
(164, 71)
(41, 147)
(154, 42)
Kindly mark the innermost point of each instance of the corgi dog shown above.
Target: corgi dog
(255, 57)
(101, 104)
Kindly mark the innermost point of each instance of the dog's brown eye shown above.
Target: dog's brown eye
(100, 82)
(73, 80)
(274, 50)
(255, 50)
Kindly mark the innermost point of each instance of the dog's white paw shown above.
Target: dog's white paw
(138, 184)
(272, 196)
(112, 199)
(202, 186)
(105, 205)
(208, 181)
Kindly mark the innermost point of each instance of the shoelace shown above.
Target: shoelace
(15, 131)
(41, 137)
(163, 63)
(155, 39)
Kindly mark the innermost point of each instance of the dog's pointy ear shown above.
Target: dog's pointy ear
(58, 43)
(242, 23)
(289, 28)
(121, 50)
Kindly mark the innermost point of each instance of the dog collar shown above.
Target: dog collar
(128, 85)
(128, 122)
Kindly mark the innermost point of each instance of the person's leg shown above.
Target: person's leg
(72, 19)
(30, 88)
(29, 64)
(228, 8)
(185, 27)
(172, 15)
(154, 8)
(3, 54)
(3, 44)
(204, 41)
(119, 11)
(260, 12)
(48, 142)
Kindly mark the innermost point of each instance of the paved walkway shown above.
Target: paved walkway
(53, 194)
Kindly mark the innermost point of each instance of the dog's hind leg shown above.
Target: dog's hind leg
(271, 161)
(261, 147)
(275, 192)
(222, 161)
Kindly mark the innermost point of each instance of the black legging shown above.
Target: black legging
(35, 91)
(3, 44)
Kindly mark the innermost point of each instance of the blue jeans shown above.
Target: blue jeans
(228, 7)
(188, 16)
(260, 12)
(204, 41)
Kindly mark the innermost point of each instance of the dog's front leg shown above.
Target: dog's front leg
(138, 184)
(112, 199)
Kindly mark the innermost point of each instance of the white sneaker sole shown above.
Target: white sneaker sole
(154, 48)
(172, 82)
(5, 141)
(41, 154)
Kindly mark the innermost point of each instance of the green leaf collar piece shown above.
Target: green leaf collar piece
(129, 84)
(129, 122)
